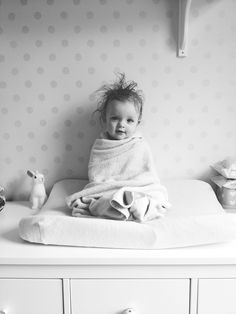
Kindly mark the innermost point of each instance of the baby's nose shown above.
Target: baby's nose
(121, 123)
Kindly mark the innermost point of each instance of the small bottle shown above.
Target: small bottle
(2, 198)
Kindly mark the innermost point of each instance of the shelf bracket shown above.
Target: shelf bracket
(184, 9)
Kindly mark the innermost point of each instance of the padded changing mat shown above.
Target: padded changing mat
(196, 218)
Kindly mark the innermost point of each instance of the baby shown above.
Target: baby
(123, 183)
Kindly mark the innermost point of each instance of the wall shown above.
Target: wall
(54, 54)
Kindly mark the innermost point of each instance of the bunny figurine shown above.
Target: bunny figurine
(38, 194)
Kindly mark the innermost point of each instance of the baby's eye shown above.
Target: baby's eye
(130, 120)
(114, 118)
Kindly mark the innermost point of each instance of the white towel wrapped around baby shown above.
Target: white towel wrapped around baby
(123, 183)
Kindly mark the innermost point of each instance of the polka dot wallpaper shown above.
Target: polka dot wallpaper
(54, 54)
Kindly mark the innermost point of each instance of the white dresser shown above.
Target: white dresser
(36, 279)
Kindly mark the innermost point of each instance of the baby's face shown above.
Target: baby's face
(122, 118)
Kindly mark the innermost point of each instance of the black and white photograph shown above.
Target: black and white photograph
(118, 156)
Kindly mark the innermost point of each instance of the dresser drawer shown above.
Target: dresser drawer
(145, 296)
(216, 296)
(31, 296)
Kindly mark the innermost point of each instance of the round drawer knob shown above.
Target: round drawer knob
(129, 311)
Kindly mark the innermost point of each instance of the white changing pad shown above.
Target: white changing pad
(196, 218)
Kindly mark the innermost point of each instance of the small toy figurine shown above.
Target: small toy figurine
(38, 194)
(2, 199)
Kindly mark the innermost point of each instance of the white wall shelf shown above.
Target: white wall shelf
(184, 9)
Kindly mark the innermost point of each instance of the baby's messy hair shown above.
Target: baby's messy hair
(121, 90)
